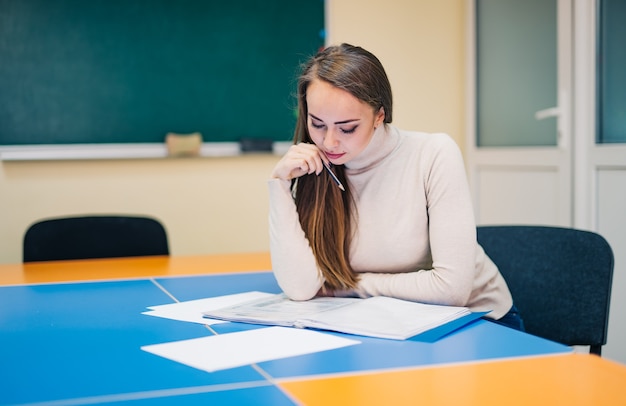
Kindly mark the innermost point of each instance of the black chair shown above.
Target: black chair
(560, 279)
(94, 237)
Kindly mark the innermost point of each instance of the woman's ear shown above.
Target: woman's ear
(380, 117)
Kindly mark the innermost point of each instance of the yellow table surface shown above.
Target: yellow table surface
(572, 379)
(134, 267)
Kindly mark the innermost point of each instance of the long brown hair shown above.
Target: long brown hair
(325, 211)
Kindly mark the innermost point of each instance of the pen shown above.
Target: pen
(332, 175)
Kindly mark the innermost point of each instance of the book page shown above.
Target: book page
(278, 309)
(385, 317)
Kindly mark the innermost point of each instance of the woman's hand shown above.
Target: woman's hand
(300, 159)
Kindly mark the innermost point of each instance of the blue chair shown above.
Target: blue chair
(85, 237)
(560, 279)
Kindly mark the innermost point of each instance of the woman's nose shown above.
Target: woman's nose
(330, 139)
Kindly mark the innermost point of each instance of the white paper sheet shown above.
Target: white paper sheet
(191, 311)
(231, 350)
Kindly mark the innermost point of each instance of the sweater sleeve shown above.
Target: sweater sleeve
(293, 263)
(451, 234)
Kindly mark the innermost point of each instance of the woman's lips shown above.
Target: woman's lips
(334, 156)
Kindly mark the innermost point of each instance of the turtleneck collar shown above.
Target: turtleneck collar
(384, 140)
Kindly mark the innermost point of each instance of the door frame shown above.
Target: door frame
(552, 160)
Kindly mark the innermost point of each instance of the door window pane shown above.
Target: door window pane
(516, 72)
(611, 72)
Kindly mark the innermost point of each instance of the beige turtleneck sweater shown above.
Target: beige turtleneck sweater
(415, 237)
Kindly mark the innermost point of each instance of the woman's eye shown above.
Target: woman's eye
(314, 125)
(349, 130)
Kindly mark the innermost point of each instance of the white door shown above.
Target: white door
(517, 172)
(519, 149)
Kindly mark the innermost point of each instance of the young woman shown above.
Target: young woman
(403, 227)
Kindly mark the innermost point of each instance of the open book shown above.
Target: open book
(379, 316)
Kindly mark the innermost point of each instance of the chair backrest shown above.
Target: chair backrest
(560, 279)
(94, 237)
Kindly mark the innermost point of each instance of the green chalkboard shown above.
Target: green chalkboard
(130, 71)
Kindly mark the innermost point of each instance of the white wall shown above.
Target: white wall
(208, 205)
(213, 205)
(421, 43)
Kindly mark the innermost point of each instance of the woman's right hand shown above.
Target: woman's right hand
(300, 159)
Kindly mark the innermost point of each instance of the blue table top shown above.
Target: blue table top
(76, 343)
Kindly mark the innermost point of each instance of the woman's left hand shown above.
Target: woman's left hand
(301, 159)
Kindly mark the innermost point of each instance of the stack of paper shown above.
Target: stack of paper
(191, 311)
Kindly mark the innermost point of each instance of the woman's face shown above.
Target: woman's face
(339, 124)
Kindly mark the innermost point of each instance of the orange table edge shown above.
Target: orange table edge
(571, 379)
(131, 267)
